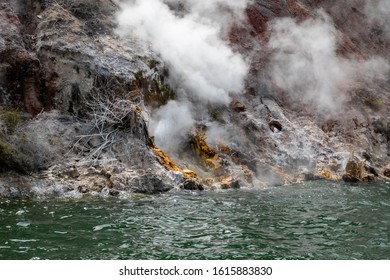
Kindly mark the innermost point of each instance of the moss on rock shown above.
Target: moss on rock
(11, 119)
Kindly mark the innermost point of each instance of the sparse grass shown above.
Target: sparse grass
(23, 139)
(12, 159)
(16, 154)
(383, 128)
(376, 103)
(368, 98)
(11, 119)
(5, 149)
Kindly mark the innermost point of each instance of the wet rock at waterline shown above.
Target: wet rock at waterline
(86, 106)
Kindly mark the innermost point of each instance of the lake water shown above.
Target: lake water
(315, 220)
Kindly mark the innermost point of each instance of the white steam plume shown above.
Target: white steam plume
(200, 62)
(305, 63)
(202, 66)
(173, 119)
(378, 13)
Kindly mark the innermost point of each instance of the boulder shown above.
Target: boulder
(358, 170)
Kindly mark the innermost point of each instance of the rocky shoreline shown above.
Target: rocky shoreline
(76, 101)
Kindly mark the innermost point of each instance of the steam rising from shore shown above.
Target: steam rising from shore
(306, 65)
(202, 67)
(174, 119)
(200, 62)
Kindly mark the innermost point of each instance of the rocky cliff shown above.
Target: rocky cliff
(80, 100)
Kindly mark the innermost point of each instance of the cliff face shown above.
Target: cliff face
(75, 93)
(334, 110)
(78, 102)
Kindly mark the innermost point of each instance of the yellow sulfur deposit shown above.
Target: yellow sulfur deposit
(328, 175)
(203, 150)
(169, 164)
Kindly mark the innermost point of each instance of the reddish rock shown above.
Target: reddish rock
(237, 106)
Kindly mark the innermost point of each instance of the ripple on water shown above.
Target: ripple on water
(60, 232)
(310, 221)
(100, 227)
(66, 217)
(24, 224)
(23, 240)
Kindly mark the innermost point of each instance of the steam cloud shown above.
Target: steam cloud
(305, 63)
(201, 63)
(173, 119)
(203, 67)
(306, 66)
(378, 12)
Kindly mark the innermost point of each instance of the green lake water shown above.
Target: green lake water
(316, 220)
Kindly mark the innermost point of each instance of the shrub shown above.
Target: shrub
(383, 128)
(11, 158)
(376, 103)
(11, 120)
(5, 150)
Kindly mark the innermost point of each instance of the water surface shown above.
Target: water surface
(317, 220)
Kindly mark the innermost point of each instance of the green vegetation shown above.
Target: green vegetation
(11, 119)
(12, 159)
(376, 103)
(381, 127)
(368, 98)
(5, 150)
(159, 92)
(23, 139)
(14, 149)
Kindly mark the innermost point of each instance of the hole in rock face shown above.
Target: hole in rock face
(75, 98)
(275, 125)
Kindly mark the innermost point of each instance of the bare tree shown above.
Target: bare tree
(113, 118)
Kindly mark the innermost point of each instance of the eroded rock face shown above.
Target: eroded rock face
(75, 100)
(67, 81)
(312, 145)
